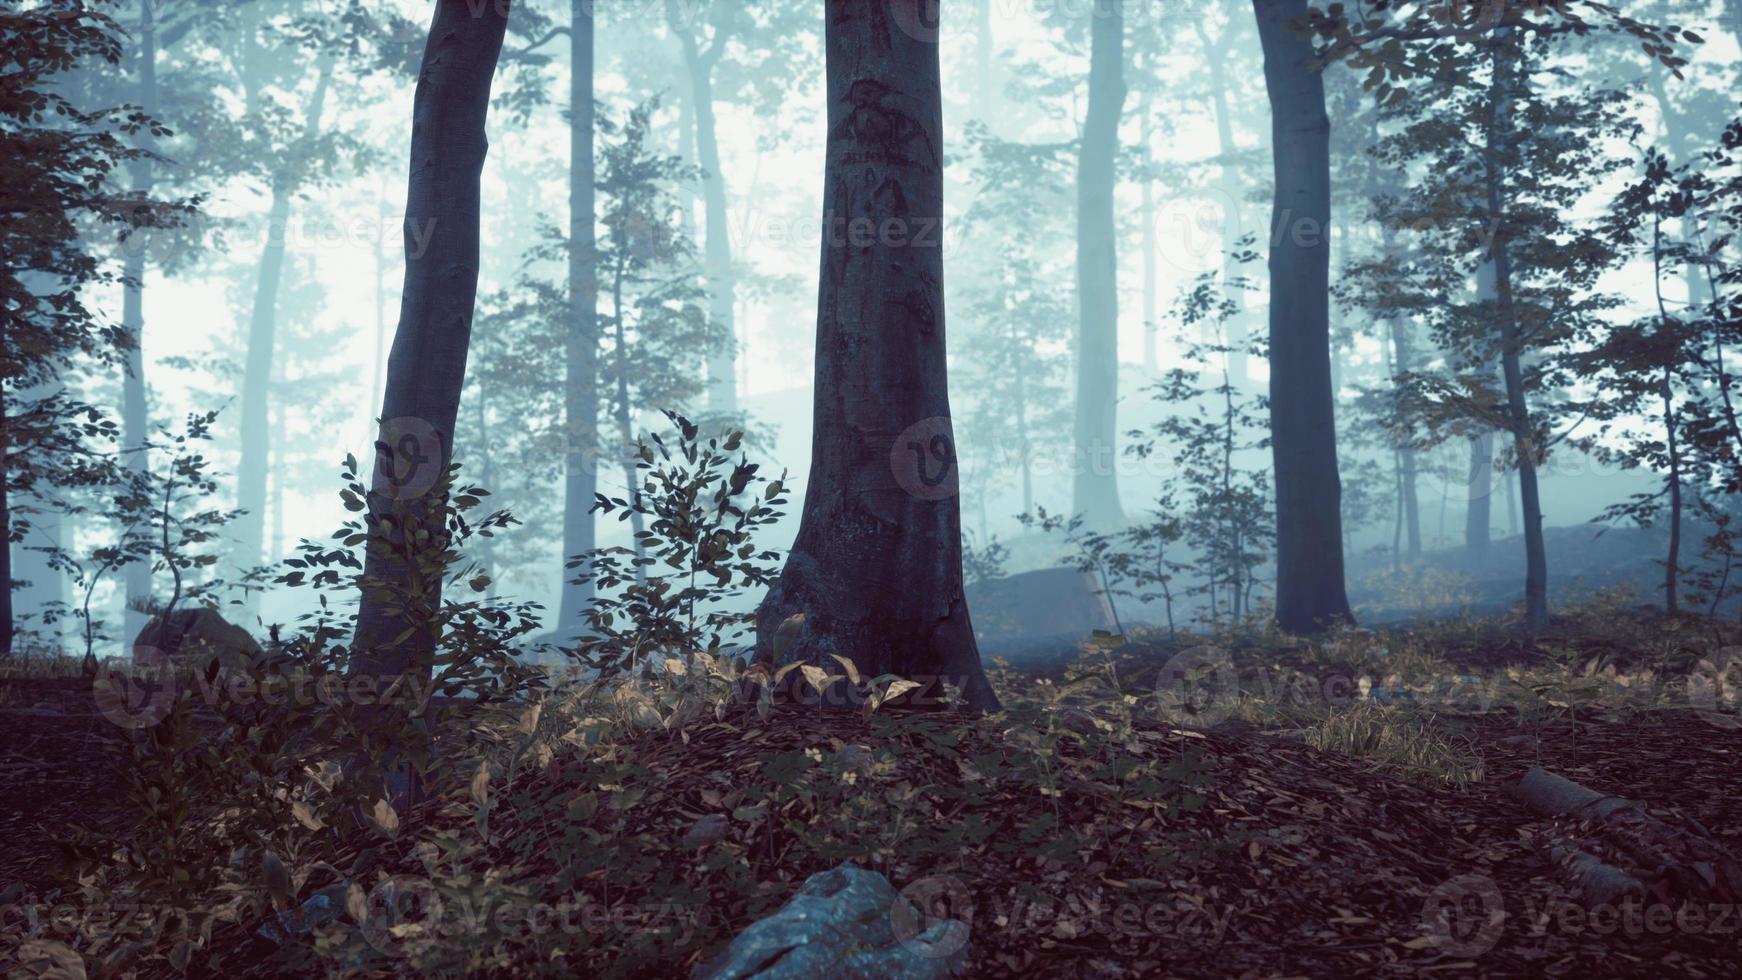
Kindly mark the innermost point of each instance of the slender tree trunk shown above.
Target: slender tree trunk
(1672, 563)
(1671, 427)
(1023, 445)
(876, 568)
(717, 255)
(401, 593)
(1479, 496)
(624, 415)
(487, 477)
(8, 627)
(1405, 362)
(1511, 352)
(135, 420)
(1096, 484)
(1309, 523)
(581, 359)
(1479, 492)
(262, 343)
(1233, 192)
(1151, 326)
(279, 465)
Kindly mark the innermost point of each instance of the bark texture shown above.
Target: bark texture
(581, 386)
(876, 568)
(427, 366)
(1309, 536)
(1095, 486)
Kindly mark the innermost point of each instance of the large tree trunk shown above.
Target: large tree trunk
(717, 255)
(426, 370)
(581, 386)
(135, 421)
(262, 342)
(1309, 523)
(876, 568)
(1096, 485)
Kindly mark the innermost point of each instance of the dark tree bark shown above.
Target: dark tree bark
(1309, 523)
(876, 568)
(257, 441)
(135, 421)
(427, 367)
(1096, 486)
(581, 388)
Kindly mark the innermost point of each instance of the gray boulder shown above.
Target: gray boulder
(845, 924)
(1048, 602)
(195, 636)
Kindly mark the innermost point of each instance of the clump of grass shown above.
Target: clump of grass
(1395, 736)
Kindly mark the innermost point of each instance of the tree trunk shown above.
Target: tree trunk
(1309, 524)
(717, 256)
(426, 370)
(581, 385)
(8, 628)
(1096, 485)
(876, 568)
(1511, 353)
(1232, 192)
(1671, 427)
(135, 420)
(487, 477)
(1680, 858)
(1405, 362)
(1151, 326)
(1479, 496)
(262, 340)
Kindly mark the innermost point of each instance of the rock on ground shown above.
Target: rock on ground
(846, 923)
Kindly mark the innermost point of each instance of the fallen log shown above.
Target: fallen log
(1599, 882)
(1675, 861)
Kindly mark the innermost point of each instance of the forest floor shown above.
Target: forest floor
(1096, 828)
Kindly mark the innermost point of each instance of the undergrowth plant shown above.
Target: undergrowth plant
(680, 590)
